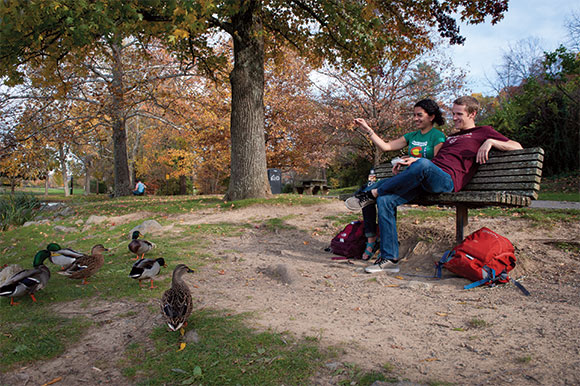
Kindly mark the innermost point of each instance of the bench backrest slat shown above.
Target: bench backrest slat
(518, 172)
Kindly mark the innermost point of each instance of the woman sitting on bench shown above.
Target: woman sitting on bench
(423, 143)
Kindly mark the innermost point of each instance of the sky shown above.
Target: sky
(486, 43)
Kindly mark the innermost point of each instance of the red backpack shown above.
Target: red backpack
(351, 241)
(484, 257)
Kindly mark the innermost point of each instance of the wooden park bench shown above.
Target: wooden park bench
(507, 179)
(311, 186)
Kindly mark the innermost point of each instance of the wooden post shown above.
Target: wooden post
(461, 221)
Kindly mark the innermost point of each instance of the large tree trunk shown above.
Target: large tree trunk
(138, 130)
(182, 185)
(249, 178)
(121, 165)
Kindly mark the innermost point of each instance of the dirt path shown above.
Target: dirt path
(427, 330)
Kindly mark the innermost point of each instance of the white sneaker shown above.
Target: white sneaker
(358, 201)
(383, 265)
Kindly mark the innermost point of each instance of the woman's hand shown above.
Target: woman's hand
(360, 122)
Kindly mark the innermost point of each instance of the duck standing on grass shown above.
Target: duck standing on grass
(140, 247)
(64, 256)
(176, 303)
(7, 271)
(146, 269)
(28, 281)
(87, 265)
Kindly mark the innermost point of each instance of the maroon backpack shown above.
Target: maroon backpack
(351, 241)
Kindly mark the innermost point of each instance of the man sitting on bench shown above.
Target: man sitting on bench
(450, 170)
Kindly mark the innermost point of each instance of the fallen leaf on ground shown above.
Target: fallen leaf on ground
(181, 346)
(55, 380)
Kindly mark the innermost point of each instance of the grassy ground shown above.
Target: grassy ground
(230, 352)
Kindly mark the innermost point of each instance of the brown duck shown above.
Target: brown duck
(86, 266)
(176, 303)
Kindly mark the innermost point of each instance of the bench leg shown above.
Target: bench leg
(461, 221)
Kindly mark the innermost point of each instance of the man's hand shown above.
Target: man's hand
(483, 152)
(405, 161)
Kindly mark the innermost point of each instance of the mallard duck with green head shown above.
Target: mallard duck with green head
(144, 269)
(138, 246)
(7, 271)
(87, 265)
(27, 282)
(176, 303)
(64, 256)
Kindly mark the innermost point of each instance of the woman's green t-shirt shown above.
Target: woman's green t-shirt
(423, 145)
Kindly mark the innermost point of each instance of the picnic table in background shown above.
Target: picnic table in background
(311, 186)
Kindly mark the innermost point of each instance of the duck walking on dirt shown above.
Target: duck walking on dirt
(144, 269)
(27, 282)
(176, 303)
(86, 266)
(139, 247)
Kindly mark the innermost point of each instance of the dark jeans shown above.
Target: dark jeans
(422, 176)
(369, 213)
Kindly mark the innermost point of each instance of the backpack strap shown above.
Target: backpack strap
(521, 287)
(490, 278)
(448, 255)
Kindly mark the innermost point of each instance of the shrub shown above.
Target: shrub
(16, 209)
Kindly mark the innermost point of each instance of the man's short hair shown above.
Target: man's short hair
(471, 104)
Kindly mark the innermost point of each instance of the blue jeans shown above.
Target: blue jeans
(422, 176)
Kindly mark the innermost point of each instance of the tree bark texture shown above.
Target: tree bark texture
(121, 164)
(182, 185)
(248, 149)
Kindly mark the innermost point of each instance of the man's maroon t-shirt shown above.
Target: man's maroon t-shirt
(457, 155)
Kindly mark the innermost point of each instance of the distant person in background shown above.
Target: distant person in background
(424, 142)
(139, 188)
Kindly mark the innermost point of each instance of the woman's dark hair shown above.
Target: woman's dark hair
(432, 108)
